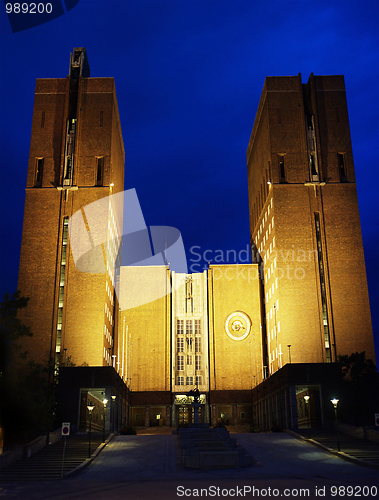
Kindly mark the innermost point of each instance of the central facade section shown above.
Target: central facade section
(190, 327)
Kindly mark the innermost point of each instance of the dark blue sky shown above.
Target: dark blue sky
(189, 75)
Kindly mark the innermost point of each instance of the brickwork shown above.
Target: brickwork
(71, 314)
(304, 221)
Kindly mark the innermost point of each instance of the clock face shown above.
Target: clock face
(237, 325)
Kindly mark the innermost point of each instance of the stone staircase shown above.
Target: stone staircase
(205, 448)
(48, 462)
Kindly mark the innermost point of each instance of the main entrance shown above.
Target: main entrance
(186, 415)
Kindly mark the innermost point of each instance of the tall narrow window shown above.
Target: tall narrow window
(189, 327)
(198, 380)
(39, 172)
(282, 171)
(328, 351)
(197, 344)
(100, 171)
(61, 295)
(180, 326)
(197, 362)
(198, 326)
(42, 119)
(342, 167)
(180, 344)
(189, 359)
(180, 362)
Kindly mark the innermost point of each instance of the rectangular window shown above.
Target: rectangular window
(180, 326)
(180, 380)
(189, 327)
(197, 362)
(43, 119)
(198, 326)
(189, 360)
(242, 415)
(100, 171)
(199, 380)
(197, 344)
(180, 344)
(342, 167)
(282, 172)
(180, 362)
(138, 416)
(189, 381)
(38, 172)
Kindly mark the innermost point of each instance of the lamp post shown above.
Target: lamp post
(105, 401)
(112, 410)
(90, 407)
(289, 352)
(306, 399)
(335, 403)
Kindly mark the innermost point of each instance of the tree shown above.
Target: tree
(361, 388)
(27, 396)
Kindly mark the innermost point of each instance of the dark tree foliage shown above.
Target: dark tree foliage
(27, 395)
(360, 400)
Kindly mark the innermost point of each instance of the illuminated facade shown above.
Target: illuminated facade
(226, 331)
(76, 158)
(304, 223)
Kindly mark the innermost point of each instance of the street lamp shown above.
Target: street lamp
(289, 352)
(306, 399)
(112, 411)
(335, 403)
(90, 407)
(105, 401)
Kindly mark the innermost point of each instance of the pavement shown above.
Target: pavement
(149, 467)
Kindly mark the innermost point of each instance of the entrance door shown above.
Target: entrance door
(183, 415)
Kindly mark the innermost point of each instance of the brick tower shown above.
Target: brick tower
(304, 223)
(76, 158)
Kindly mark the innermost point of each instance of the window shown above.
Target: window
(197, 362)
(180, 326)
(180, 344)
(282, 172)
(38, 172)
(342, 167)
(189, 360)
(180, 380)
(198, 326)
(43, 119)
(197, 344)
(138, 416)
(243, 415)
(189, 381)
(199, 380)
(100, 171)
(180, 362)
(189, 327)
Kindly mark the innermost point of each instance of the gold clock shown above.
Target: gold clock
(237, 325)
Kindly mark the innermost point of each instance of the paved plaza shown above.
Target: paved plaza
(149, 467)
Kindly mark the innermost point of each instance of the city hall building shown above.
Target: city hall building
(253, 338)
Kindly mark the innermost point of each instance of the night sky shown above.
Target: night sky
(189, 75)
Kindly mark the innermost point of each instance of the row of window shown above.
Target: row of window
(43, 119)
(180, 362)
(191, 326)
(39, 167)
(189, 380)
(276, 354)
(189, 342)
(108, 335)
